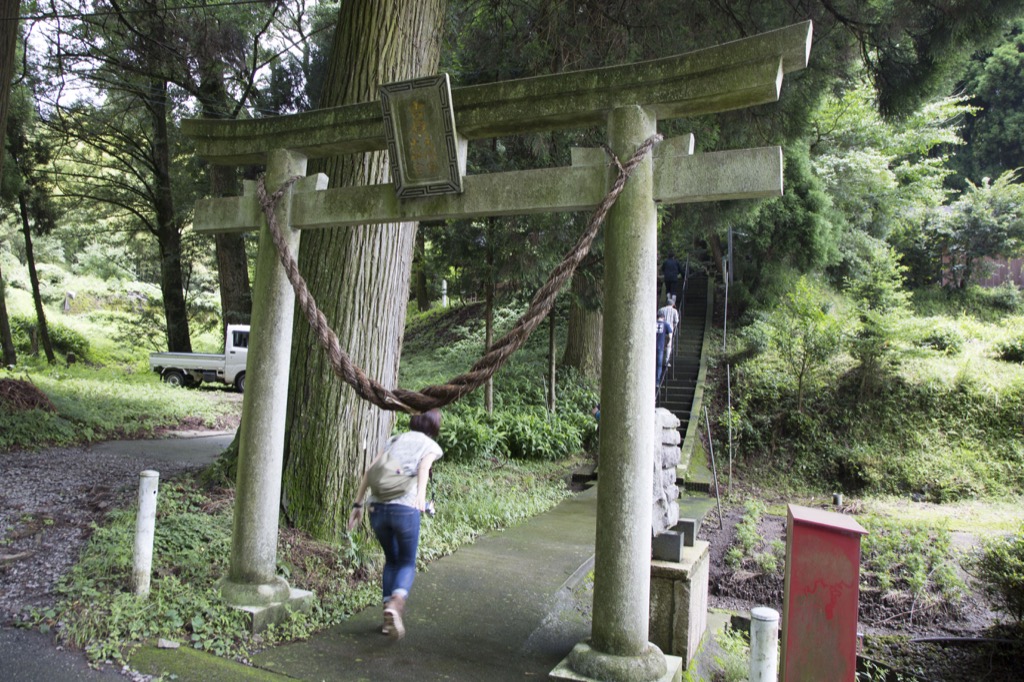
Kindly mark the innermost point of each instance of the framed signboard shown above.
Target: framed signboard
(419, 126)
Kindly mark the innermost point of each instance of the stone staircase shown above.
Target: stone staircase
(681, 393)
(679, 386)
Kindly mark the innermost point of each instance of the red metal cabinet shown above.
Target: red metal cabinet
(819, 621)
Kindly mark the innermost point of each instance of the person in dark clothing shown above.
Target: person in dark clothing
(670, 272)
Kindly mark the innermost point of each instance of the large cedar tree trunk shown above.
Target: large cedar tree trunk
(583, 339)
(359, 276)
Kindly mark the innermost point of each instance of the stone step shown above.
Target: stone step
(586, 473)
(678, 394)
(695, 507)
(697, 477)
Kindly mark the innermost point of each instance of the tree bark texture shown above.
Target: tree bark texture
(420, 274)
(583, 339)
(172, 281)
(359, 276)
(8, 51)
(232, 261)
(10, 356)
(37, 296)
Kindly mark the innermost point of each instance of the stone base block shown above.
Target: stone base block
(261, 617)
(564, 671)
(668, 546)
(688, 529)
(679, 602)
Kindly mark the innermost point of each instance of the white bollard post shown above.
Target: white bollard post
(145, 527)
(444, 293)
(764, 644)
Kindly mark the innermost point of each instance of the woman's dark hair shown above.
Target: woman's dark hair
(428, 423)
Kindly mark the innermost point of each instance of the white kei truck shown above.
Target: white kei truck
(191, 369)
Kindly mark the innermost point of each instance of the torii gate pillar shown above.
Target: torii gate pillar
(252, 582)
(619, 648)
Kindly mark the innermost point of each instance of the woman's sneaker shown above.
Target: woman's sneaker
(393, 625)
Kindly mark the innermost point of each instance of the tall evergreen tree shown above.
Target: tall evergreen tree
(359, 276)
(29, 155)
(9, 21)
(995, 84)
(161, 58)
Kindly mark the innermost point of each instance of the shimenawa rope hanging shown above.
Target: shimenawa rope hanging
(430, 397)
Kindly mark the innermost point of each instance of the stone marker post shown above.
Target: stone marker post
(252, 582)
(145, 532)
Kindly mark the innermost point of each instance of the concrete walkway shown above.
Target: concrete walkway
(30, 656)
(508, 607)
(200, 447)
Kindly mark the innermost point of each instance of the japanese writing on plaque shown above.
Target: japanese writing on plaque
(419, 126)
(421, 149)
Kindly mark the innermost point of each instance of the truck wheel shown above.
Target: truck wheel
(174, 377)
(240, 382)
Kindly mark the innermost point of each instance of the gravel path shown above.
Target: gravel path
(49, 500)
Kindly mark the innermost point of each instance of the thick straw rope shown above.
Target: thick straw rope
(438, 396)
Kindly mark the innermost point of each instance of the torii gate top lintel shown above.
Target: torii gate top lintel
(733, 75)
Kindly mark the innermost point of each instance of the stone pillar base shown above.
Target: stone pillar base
(265, 605)
(618, 668)
(679, 601)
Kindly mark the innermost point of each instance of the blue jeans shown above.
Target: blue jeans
(397, 527)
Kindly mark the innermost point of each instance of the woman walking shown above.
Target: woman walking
(397, 481)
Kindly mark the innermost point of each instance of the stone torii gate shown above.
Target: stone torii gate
(629, 100)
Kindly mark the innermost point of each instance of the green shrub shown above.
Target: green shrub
(469, 434)
(806, 330)
(1006, 297)
(520, 429)
(983, 303)
(66, 340)
(1011, 349)
(733, 664)
(939, 334)
(535, 434)
(24, 331)
(999, 565)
